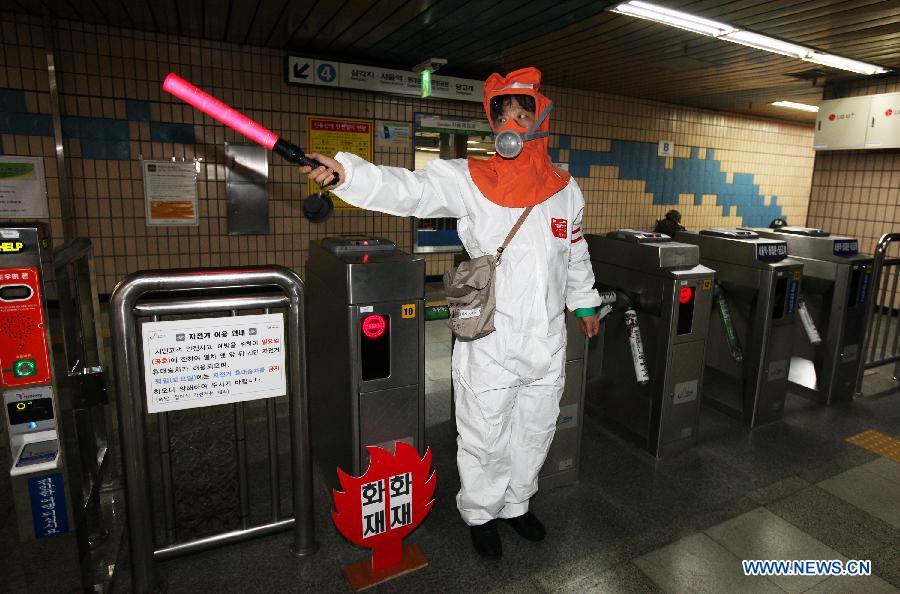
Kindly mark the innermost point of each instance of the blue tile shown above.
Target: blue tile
(26, 124)
(639, 161)
(164, 132)
(565, 141)
(94, 148)
(12, 101)
(138, 111)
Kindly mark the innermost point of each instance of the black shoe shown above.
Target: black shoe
(486, 540)
(528, 527)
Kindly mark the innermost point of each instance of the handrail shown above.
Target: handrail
(881, 263)
(123, 303)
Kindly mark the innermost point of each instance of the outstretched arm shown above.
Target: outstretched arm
(431, 192)
(581, 297)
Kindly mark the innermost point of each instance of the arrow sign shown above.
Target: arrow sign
(300, 70)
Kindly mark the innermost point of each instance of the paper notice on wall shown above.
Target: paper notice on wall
(209, 361)
(170, 192)
(393, 136)
(328, 136)
(23, 188)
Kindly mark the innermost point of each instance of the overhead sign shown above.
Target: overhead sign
(203, 362)
(308, 71)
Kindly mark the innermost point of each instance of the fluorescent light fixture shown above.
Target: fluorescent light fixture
(794, 105)
(769, 44)
(428, 149)
(843, 63)
(682, 20)
(475, 149)
(710, 28)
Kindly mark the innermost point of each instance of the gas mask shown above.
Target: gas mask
(509, 142)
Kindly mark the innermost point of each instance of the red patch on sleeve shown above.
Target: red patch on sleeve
(559, 227)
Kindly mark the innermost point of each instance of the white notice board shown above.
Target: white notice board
(170, 193)
(23, 188)
(208, 361)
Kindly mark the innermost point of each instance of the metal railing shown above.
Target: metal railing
(187, 292)
(882, 338)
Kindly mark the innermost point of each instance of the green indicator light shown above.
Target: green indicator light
(24, 368)
(426, 83)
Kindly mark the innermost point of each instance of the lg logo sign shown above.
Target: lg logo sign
(844, 116)
(888, 113)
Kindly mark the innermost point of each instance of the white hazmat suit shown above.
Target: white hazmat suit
(508, 384)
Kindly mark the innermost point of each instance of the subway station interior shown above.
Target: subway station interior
(302, 297)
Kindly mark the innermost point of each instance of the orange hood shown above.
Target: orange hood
(529, 178)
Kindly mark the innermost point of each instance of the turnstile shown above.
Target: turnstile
(563, 458)
(53, 437)
(749, 347)
(833, 304)
(663, 294)
(366, 335)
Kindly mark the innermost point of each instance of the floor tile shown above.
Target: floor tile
(869, 492)
(760, 534)
(835, 522)
(886, 469)
(869, 584)
(625, 578)
(697, 563)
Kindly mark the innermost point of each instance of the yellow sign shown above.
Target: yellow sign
(11, 247)
(408, 310)
(797, 275)
(707, 285)
(328, 136)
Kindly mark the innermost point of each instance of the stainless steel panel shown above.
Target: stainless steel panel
(387, 416)
(360, 279)
(651, 258)
(246, 174)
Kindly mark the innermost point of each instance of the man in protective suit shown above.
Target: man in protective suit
(507, 384)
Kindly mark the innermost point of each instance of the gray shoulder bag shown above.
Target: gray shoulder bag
(470, 291)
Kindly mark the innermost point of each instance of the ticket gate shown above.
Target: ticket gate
(663, 295)
(53, 439)
(832, 311)
(749, 347)
(366, 336)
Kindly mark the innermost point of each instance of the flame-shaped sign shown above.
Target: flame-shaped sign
(378, 509)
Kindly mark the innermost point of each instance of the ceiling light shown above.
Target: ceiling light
(769, 44)
(844, 63)
(429, 149)
(689, 22)
(794, 105)
(476, 149)
(682, 20)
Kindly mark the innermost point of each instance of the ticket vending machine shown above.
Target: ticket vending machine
(366, 336)
(748, 352)
(653, 355)
(54, 439)
(833, 304)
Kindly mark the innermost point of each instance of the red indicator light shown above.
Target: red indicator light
(374, 326)
(686, 294)
(365, 242)
(365, 258)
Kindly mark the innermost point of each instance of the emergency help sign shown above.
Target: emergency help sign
(209, 361)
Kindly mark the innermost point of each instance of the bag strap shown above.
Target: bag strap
(512, 233)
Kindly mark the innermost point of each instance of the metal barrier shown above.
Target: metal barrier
(187, 292)
(882, 342)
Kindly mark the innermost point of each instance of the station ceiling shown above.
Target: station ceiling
(576, 43)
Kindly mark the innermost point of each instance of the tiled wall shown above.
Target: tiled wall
(727, 169)
(858, 192)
